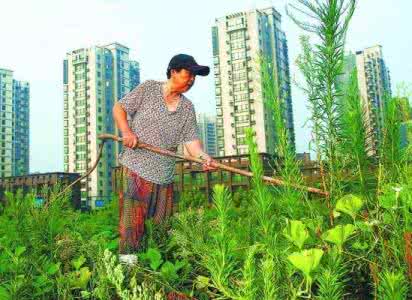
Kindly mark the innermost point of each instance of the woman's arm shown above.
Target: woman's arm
(128, 136)
(195, 148)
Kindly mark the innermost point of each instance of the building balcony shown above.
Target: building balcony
(80, 60)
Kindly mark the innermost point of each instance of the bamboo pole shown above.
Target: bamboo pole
(266, 179)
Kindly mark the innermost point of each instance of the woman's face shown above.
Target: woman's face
(182, 80)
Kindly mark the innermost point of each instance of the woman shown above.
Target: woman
(160, 115)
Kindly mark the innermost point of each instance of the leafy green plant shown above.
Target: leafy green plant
(43, 283)
(16, 285)
(306, 261)
(339, 235)
(220, 263)
(350, 204)
(331, 279)
(4, 293)
(356, 135)
(270, 290)
(170, 270)
(296, 232)
(248, 287)
(263, 203)
(330, 24)
(192, 198)
(114, 271)
(80, 277)
(392, 286)
(287, 164)
(390, 159)
(153, 256)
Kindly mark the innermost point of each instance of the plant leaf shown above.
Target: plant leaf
(180, 264)
(296, 232)
(360, 246)
(112, 245)
(4, 293)
(53, 268)
(169, 271)
(349, 204)
(85, 275)
(41, 281)
(19, 250)
(339, 234)
(202, 282)
(78, 262)
(387, 201)
(306, 261)
(154, 257)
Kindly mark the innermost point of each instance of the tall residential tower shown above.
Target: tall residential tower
(94, 79)
(238, 41)
(207, 132)
(14, 125)
(374, 88)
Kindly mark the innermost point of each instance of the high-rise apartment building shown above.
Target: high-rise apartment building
(238, 41)
(207, 132)
(134, 73)
(21, 134)
(374, 88)
(14, 125)
(94, 79)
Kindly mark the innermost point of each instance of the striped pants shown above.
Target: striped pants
(140, 200)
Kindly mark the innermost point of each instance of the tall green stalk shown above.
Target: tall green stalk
(355, 135)
(331, 279)
(306, 64)
(263, 203)
(288, 166)
(221, 263)
(331, 21)
(391, 156)
(392, 286)
(268, 271)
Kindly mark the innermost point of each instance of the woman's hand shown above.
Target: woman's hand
(208, 162)
(130, 139)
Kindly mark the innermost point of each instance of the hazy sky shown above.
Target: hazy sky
(36, 35)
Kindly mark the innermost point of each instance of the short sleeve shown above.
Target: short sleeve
(190, 130)
(131, 101)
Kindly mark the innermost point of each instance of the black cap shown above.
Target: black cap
(184, 61)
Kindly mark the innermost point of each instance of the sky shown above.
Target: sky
(36, 35)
